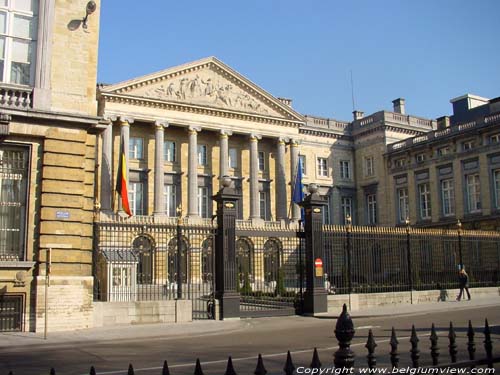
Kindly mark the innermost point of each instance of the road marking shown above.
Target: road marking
(207, 363)
(367, 327)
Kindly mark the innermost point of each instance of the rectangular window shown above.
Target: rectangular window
(496, 187)
(403, 212)
(18, 27)
(202, 155)
(233, 158)
(136, 198)
(262, 161)
(345, 169)
(135, 148)
(371, 204)
(170, 198)
(443, 151)
(495, 138)
(303, 163)
(369, 167)
(400, 162)
(263, 202)
(203, 203)
(322, 167)
(473, 193)
(326, 211)
(346, 203)
(13, 191)
(467, 145)
(169, 151)
(424, 196)
(420, 158)
(448, 197)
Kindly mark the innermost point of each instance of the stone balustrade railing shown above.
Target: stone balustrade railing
(16, 97)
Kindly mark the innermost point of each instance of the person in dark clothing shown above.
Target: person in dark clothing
(463, 281)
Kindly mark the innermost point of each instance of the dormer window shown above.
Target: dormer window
(18, 29)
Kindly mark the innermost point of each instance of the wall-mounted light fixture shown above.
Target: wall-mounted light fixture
(89, 9)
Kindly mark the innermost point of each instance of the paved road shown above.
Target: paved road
(111, 350)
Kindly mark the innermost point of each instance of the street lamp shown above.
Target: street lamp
(408, 258)
(459, 230)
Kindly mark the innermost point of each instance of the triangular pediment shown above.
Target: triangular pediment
(207, 83)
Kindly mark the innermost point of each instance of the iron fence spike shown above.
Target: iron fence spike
(344, 332)
(260, 369)
(165, 370)
(415, 352)
(371, 345)
(394, 349)
(471, 346)
(230, 368)
(289, 367)
(92, 371)
(197, 369)
(488, 345)
(434, 346)
(453, 345)
(52, 371)
(130, 369)
(315, 362)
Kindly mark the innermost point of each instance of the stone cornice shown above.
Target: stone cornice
(320, 133)
(190, 108)
(383, 128)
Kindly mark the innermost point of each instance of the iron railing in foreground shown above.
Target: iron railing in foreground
(344, 357)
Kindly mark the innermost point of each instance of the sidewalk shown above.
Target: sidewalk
(211, 327)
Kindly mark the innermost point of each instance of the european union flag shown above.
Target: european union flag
(298, 189)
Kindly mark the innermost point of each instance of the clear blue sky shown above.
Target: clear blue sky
(426, 51)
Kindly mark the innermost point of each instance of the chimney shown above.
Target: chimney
(286, 101)
(443, 122)
(358, 115)
(399, 105)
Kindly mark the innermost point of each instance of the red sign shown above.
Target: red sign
(318, 263)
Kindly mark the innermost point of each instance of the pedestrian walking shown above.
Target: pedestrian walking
(463, 281)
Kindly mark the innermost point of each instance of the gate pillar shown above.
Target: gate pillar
(315, 296)
(225, 251)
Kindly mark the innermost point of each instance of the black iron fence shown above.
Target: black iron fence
(381, 259)
(443, 353)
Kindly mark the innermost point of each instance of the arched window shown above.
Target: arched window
(207, 263)
(272, 261)
(144, 249)
(172, 260)
(244, 259)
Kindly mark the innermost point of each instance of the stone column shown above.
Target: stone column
(107, 167)
(224, 153)
(254, 177)
(294, 162)
(281, 200)
(125, 136)
(193, 172)
(159, 200)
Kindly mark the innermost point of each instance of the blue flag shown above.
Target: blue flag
(298, 189)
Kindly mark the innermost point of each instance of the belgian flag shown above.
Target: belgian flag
(121, 181)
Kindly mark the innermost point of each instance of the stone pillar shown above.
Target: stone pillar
(224, 154)
(125, 136)
(315, 296)
(159, 200)
(107, 186)
(281, 199)
(193, 172)
(254, 177)
(294, 162)
(225, 251)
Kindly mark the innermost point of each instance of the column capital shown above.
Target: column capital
(294, 143)
(283, 140)
(125, 121)
(194, 129)
(110, 118)
(225, 133)
(161, 124)
(254, 137)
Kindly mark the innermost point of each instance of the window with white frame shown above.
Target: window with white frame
(496, 187)
(371, 204)
(202, 154)
(262, 160)
(18, 34)
(448, 197)
(424, 200)
(495, 138)
(203, 202)
(369, 167)
(346, 204)
(322, 167)
(233, 158)
(136, 198)
(170, 198)
(169, 149)
(403, 211)
(420, 158)
(401, 162)
(135, 148)
(473, 193)
(14, 162)
(467, 145)
(264, 204)
(442, 151)
(303, 163)
(345, 169)
(326, 211)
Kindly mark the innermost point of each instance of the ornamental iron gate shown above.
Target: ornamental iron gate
(11, 312)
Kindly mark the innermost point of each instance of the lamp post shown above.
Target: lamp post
(408, 259)
(459, 230)
(348, 228)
